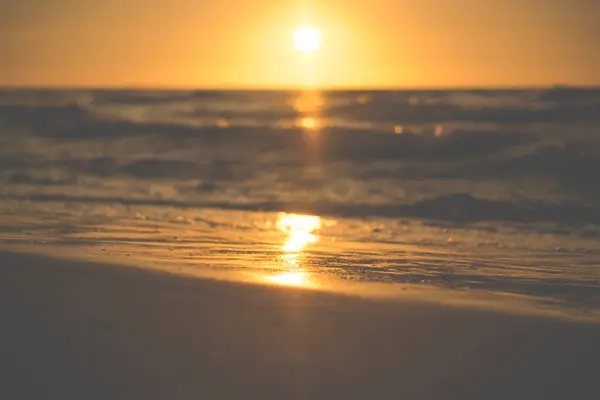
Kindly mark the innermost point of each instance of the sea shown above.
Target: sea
(467, 192)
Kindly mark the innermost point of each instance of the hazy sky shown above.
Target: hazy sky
(249, 43)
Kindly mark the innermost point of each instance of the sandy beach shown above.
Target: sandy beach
(73, 330)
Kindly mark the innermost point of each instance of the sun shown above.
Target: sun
(308, 39)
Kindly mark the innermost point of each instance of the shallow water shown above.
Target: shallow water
(476, 191)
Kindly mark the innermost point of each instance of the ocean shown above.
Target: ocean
(490, 192)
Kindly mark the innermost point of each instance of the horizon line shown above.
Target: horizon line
(259, 88)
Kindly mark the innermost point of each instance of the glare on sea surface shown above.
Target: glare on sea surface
(300, 231)
(308, 105)
(308, 39)
(310, 123)
(299, 278)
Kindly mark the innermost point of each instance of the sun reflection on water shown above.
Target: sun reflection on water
(300, 231)
(299, 278)
(310, 123)
(308, 106)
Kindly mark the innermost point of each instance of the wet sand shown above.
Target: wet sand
(75, 330)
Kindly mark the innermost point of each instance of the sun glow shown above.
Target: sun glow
(308, 39)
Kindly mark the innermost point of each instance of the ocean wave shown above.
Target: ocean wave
(75, 122)
(461, 208)
(145, 137)
(36, 117)
(506, 108)
(571, 164)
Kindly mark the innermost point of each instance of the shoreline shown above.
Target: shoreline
(277, 279)
(75, 329)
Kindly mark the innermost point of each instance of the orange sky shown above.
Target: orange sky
(249, 43)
